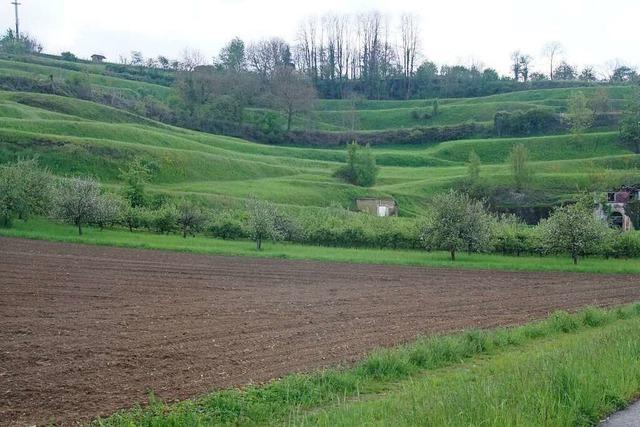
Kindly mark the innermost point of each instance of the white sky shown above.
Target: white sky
(592, 32)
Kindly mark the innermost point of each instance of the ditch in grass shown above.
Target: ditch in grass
(569, 369)
(43, 229)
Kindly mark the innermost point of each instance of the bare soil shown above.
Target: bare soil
(86, 330)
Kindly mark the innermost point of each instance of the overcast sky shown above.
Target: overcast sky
(593, 32)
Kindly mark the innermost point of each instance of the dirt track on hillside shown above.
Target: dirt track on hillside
(87, 330)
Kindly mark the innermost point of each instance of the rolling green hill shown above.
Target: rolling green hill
(76, 137)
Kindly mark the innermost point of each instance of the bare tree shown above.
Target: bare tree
(292, 92)
(515, 64)
(265, 56)
(191, 58)
(550, 51)
(410, 37)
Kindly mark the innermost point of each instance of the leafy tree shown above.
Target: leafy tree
(624, 74)
(580, 115)
(135, 178)
(456, 222)
(436, 107)
(191, 219)
(77, 201)
(574, 229)
(232, 56)
(24, 44)
(509, 234)
(261, 221)
(520, 170)
(630, 124)
(588, 75)
(361, 168)
(68, 56)
(565, 71)
(25, 189)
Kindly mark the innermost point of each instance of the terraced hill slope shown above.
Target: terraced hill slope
(75, 137)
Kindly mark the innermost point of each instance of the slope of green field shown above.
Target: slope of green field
(75, 137)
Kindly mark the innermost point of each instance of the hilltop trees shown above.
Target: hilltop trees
(551, 50)
(24, 44)
(456, 222)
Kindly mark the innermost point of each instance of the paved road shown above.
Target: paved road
(630, 417)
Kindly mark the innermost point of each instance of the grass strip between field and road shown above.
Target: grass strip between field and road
(44, 229)
(566, 370)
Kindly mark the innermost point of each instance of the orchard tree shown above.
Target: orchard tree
(25, 190)
(77, 201)
(457, 222)
(574, 229)
(191, 219)
(262, 221)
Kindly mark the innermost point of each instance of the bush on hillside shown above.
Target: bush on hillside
(537, 121)
(361, 166)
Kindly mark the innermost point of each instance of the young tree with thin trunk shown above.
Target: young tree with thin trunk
(474, 168)
(261, 221)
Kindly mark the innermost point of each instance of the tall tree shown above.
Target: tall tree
(267, 55)
(410, 37)
(232, 56)
(630, 124)
(293, 93)
(520, 170)
(551, 50)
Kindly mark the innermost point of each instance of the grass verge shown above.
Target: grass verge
(567, 370)
(39, 228)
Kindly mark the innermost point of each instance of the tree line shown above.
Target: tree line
(454, 221)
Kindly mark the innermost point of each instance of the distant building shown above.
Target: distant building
(614, 207)
(378, 207)
(98, 58)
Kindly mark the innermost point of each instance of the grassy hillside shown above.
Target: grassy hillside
(75, 137)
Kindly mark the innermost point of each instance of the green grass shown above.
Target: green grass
(566, 370)
(37, 228)
(75, 137)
